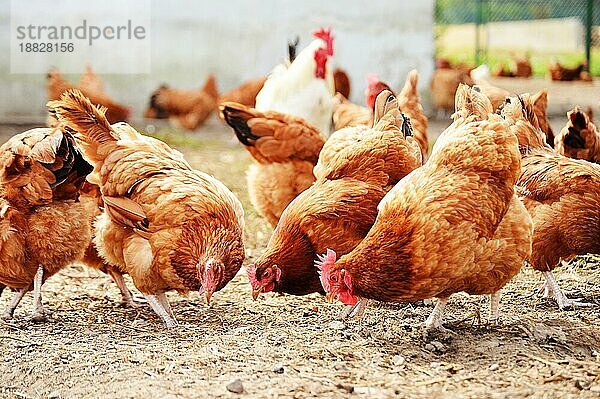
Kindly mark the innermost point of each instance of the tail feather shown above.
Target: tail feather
(410, 86)
(210, 87)
(237, 117)
(77, 113)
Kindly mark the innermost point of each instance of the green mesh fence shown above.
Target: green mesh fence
(496, 31)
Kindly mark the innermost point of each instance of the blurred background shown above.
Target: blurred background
(239, 40)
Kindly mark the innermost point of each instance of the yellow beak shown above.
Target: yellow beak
(330, 297)
(208, 296)
(257, 292)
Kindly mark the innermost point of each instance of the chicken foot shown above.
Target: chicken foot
(551, 289)
(355, 311)
(160, 305)
(38, 314)
(436, 318)
(14, 302)
(128, 300)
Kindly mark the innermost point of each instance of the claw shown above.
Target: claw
(572, 303)
(552, 290)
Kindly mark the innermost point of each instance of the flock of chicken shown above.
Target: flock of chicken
(366, 213)
(447, 77)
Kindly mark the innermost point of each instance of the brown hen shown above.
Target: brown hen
(244, 94)
(45, 226)
(579, 138)
(167, 225)
(187, 109)
(561, 194)
(452, 225)
(285, 148)
(57, 85)
(340, 207)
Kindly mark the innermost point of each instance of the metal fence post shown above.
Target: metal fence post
(588, 32)
(478, 22)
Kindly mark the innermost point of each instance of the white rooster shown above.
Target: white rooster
(305, 87)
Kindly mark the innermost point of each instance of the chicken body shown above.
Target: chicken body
(187, 109)
(347, 114)
(244, 94)
(89, 82)
(57, 85)
(452, 225)
(296, 89)
(45, 227)
(341, 82)
(340, 207)
(285, 149)
(168, 226)
(443, 85)
(563, 197)
(561, 73)
(579, 138)
(91, 200)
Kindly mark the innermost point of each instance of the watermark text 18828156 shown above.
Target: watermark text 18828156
(113, 35)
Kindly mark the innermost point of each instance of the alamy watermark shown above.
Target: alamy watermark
(113, 36)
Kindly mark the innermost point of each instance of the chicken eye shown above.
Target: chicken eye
(266, 273)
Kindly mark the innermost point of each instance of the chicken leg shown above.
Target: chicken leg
(436, 318)
(38, 314)
(495, 307)
(160, 305)
(551, 289)
(127, 299)
(14, 302)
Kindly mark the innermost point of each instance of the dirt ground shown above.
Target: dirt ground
(285, 346)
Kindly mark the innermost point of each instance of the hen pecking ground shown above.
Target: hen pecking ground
(284, 346)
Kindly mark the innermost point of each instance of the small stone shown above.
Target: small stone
(398, 360)
(494, 367)
(54, 395)
(345, 387)
(336, 325)
(438, 345)
(278, 368)
(429, 348)
(435, 364)
(340, 366)
(235, 386)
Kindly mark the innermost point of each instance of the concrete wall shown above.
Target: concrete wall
(240, 39)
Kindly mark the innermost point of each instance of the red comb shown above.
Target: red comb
(327, 37)
(324, 265)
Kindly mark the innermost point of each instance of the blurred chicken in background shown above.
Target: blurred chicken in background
(245, 94)
(187, 109)
(579, 138)
(444, 83)
(57, 85)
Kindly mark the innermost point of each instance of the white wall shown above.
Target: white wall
(238, 40)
